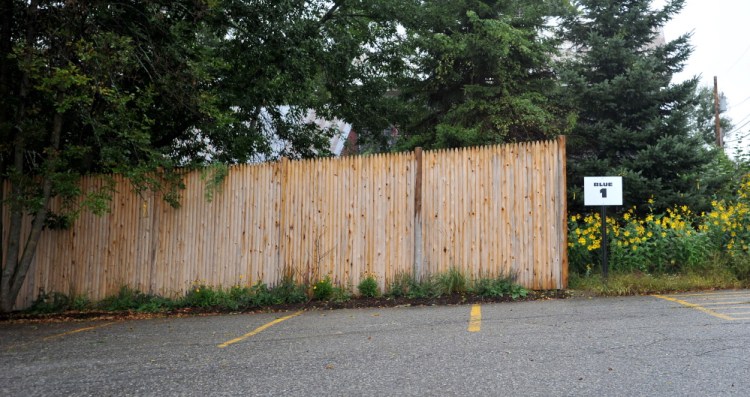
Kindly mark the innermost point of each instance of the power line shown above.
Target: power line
(738, 104)
(741, 120)
(736, 129)
(739, 59)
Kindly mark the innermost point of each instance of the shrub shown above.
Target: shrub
(654, 243)
(50, 303)
(451, 282)
(158, 304)
(323, 289)
(126, 299)
(498, 287)
(493, 287)
(288, 291)
(400, 286)
(368, 287)
(340, 294)
(427, 287)
(260, 295)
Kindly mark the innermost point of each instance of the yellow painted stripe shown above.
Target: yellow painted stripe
(75, 331)
(259, 330)
(725, 293)
(723, 303)
(696, 307)
(475, 320)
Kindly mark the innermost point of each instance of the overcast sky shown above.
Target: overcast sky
(721, 41)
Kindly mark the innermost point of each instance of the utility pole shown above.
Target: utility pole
(719, 140)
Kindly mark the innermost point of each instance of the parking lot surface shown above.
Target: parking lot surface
(683, 344)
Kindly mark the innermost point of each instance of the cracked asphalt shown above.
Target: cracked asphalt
(645, 346)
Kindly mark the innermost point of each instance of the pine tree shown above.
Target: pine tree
(482, 74)
(633, 120)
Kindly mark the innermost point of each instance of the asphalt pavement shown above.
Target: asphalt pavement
(676, 345)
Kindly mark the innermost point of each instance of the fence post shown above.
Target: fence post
(563, 197)
(417, 267)
(283, 170)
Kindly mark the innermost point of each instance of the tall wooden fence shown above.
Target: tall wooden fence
(488, 211)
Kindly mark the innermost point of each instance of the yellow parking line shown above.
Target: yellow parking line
(475, 319)
(696, 307)
(724, 303)
(721, 298)
(75, 331)
(259, 330)
(717, 293)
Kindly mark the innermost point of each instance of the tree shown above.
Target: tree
(703, 116)
(288, 57)
(632, 120)
(140, 88)
(91, 87)
(482, 74)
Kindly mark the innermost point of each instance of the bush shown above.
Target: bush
(126, 299)
(340, 294)
(400, 286)
(288, 291)
(50, 303)
(323, 289)
(676, 242)
(204, 296)
(428, 287)
(499, 287)
(451, 282)
(655, 243)
(368, 287)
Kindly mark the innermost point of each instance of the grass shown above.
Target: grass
(621, 284)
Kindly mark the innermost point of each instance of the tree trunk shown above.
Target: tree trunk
(17, 267)
(16, 209)
(10, 271)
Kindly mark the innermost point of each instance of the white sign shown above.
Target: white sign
(602, 190)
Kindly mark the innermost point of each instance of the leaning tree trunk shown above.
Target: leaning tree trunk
(20, 257)
(21, 252)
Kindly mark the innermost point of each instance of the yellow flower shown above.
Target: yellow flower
(581, 241)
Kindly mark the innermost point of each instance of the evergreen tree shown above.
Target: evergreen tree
(482, 74)
(632, 120)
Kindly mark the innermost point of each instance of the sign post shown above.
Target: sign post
(603, 191)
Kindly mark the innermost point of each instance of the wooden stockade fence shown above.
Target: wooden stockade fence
(488, 211)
